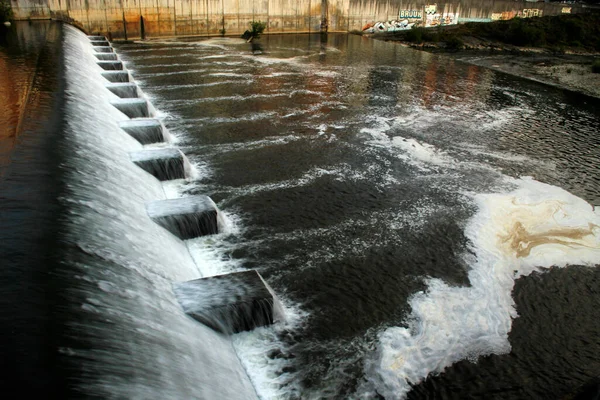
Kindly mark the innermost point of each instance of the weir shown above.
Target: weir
(124, 90)
(110, 65)
(112, 306)
(133, 108)
(116, 76)
(101, 43)
(145, 130)
(164, 164)
(108, 309)
(187, 217)
(230, 303)
(106, 56)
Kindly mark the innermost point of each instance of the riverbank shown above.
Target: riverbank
(557, 50)
(569, 71)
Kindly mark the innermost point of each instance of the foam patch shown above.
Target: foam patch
(512, 234)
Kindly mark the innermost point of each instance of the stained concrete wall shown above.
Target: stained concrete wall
(123, 18)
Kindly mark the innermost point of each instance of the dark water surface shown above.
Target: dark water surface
(351, 171)
(347, 164)
(31, 100)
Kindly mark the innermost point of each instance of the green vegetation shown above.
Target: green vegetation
(454, 43)
(257, 28)
(6, 13)
(581, 31)
(435, 35)
(596, 66)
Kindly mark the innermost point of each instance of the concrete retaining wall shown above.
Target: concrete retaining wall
(122, 19)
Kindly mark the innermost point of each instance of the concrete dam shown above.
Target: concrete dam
(126, 19)
(92, 115)
(349, 166)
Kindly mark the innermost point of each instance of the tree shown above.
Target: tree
(257, 28)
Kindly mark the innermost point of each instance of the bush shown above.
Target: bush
(454, 43)
(596, 66)
(6, 13)
(257, 28)
(432, 35)
(522, 33)
(415, 35)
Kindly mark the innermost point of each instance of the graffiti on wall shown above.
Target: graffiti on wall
(566, 10)
(431, 9)
(435, 18)
(406, 20)
(531, 12)
(390, 26)
(430, 16)
(526, 13)
(441, 19)
(411, 14)
(504, 16)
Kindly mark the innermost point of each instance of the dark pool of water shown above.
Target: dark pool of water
(31, 98)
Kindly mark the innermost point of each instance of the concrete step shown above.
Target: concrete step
(231, 303)
(186, 217)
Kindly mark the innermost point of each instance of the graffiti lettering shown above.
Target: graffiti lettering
(390, 26)
(503, 16)
(531, 12)
(566, 10)
(410, 14)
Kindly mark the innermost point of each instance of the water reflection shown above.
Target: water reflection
(19, 50)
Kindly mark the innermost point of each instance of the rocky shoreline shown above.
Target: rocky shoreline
(570, 71)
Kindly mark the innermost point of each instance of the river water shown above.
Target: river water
(428, 225)
(401, 204)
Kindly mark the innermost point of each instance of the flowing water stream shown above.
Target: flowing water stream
(427, 225)
(393, 199)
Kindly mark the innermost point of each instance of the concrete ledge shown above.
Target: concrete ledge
(133, 108)
(230, 303)
(102, 43)
(110, 65)
(116, 76)
(103, 49)
(106, 56)
(187, 217)
(97, 38)
(144, 130)
(164, 164)
(125, 90)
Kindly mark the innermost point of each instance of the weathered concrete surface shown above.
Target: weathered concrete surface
(131, 19)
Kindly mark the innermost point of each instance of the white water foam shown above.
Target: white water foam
(262, 353)
(513, 234)
(412, 150)
(270, 375)
(422, 152)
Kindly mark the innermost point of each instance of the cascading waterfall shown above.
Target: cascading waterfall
(127, 334)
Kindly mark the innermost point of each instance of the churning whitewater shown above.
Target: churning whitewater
(384, 194)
